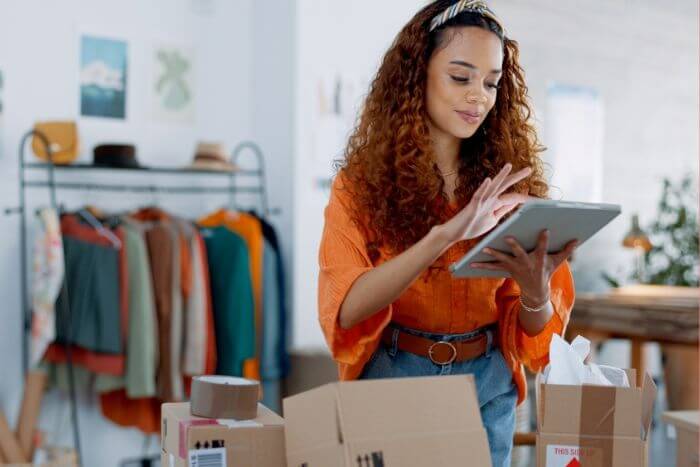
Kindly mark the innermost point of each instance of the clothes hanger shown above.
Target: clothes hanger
(96, 212)
(97, 225)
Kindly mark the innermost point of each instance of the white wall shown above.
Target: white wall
(272, 110)
(346, 39)
(39, 55)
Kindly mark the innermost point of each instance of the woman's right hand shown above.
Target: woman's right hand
(487, 206)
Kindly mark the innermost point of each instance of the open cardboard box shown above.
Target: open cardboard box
(594, 426)
(431, 421)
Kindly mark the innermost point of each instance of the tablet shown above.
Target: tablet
(565, 220)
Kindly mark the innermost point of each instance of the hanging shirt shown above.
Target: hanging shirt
(161, 254)
(96, 282)
(277, 360)
(143, 413)
(47, 280)
(211, 357)
(93, 261)
(195, 309)
(436, 303)
(175, 385)
(142, 348)
(249, 228)
(232, 297)
(269, 361)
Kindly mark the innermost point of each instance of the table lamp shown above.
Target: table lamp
(637, 239)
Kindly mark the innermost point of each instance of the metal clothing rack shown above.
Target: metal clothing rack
(53, 186)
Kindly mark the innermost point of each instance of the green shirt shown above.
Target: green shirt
(232, 297)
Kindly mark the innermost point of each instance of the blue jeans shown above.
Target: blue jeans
(496, 391)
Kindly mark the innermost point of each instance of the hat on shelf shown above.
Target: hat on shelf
(211, 156)
(120, 156)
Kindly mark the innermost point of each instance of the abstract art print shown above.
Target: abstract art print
(103, 73)
(173, 83)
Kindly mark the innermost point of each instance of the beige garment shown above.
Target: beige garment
(194, 354)
(176, 322)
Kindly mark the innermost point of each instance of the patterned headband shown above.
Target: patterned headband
(475, 6)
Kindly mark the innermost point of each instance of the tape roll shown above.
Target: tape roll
(224, 397)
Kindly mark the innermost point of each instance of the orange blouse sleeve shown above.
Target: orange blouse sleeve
(533, 351)
(343, 259)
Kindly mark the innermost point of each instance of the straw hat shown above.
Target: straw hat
(211, 156)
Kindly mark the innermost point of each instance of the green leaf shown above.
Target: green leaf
(610, 280)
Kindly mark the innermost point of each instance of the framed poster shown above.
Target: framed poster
(103, 73)
(173, 92)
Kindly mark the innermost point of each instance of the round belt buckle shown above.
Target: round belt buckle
(432, 348)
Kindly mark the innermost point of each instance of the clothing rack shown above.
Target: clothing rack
(53, 186)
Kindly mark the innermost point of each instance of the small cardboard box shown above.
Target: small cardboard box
(687, 425)
(594, 426)
(189, 441)
(401, 422)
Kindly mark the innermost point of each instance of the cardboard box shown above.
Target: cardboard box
(403, 422)
(594, 426)
(686, 423)
(189, 441)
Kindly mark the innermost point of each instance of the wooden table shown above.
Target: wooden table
(667, 315)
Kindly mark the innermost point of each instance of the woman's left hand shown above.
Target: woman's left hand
(532, 271)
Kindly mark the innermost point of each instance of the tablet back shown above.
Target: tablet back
(565, 220)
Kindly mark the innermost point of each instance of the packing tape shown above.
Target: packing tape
(597, 426)
(224, 397)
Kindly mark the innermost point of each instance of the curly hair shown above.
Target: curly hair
(388, 165)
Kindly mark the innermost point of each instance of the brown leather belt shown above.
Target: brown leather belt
(440, 352)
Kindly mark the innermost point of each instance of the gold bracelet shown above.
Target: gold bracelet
(534, 310)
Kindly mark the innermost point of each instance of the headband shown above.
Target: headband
(474, 6)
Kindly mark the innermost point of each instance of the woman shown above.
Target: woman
(442, 152)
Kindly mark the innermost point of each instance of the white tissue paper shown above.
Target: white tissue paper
(567, 366)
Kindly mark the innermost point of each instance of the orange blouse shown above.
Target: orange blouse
(435, 303)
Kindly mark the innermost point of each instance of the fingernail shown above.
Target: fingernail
(487, 250)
